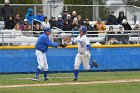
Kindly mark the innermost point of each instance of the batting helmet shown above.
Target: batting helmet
(83, 28)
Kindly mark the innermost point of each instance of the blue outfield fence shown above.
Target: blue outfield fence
(62, 59)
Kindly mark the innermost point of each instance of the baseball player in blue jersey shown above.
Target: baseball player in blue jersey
(83, 54)
(41, 48)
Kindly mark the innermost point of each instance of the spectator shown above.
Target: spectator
(60, 22)
(80, 21)
(37, 28)
(10, 24)
(137, 26)
(18, 20)
(122, 36)
(126, 25)
(64, 16)
(74, 14)
(53, 22)
(100, 26)
(40, 16)
(75, 26)
(120, 30)
(74, 23)
(17, 27)
(69, 19)
(6, 11)
(121, 17)
(136, 29)
(45, 23)
(111, 19)
(30, 16)
(66, 26)
(111, 38)
(94, 31)
(89, 27)
(25, 26)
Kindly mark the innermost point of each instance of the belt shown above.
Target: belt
(40, 51)
(81, 53)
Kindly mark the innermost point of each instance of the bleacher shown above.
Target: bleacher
(12, 37)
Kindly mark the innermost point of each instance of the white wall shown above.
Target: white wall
(55, 10)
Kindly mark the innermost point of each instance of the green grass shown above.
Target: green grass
(98, 88)
(14, 79)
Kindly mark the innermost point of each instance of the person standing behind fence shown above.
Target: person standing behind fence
(121, 17)
(111, 19)
(30, 16)
(6, 11)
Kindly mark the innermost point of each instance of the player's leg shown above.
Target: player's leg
(45, 67)
(85, 60)
(76, 66)
(40, 61)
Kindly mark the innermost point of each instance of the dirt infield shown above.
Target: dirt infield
(72, 83)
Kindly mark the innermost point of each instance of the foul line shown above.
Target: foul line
(72, 83)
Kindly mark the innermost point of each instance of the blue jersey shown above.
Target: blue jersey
(40, 18)
(43, 42)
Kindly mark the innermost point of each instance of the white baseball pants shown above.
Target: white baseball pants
(42, 60)
(82, 58)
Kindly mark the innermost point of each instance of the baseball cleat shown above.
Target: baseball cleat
(46, 79)
(95, 64)
(36, 79)
(75, 79)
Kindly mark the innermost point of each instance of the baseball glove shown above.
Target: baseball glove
(95, 64)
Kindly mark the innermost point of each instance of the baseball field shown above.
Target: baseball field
(88, 82)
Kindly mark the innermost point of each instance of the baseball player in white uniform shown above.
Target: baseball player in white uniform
(83, 54)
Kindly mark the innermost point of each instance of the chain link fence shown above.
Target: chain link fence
(86, 11)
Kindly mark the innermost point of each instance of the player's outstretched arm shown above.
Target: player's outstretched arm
(50, 43)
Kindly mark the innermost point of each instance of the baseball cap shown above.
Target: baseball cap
(83, 28)
(68, 15)
(60, 16)
(47, 29)
(25, 20)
